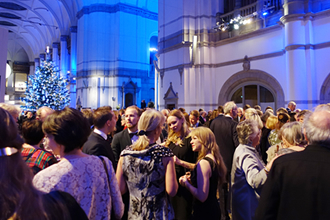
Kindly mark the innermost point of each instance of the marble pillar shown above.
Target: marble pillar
(55, 57)
(64, 56)
(3, 62)
(299, 57)
(36, 64)
(73, 69)
(32, 68)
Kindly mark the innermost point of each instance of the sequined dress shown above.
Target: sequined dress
(145, 177)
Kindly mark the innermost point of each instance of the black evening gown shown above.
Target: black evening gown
(182, 201)
(210, 208)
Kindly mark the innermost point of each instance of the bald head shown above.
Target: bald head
(43, 112)
(317, 127)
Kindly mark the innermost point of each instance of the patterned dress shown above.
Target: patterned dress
(37, 159)
(86, 180)
(145, 177)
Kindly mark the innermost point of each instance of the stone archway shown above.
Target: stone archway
(325, 91)
(251, 76)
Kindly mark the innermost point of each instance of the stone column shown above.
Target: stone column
(56, 58)
(73, 57)
(42, 57)
(123, 94)
(3, 62)
(36, 64)
(64, 56)
(299, 58)
(32, 68)
(73, 70)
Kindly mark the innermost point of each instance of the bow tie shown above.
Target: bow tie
(132, 134)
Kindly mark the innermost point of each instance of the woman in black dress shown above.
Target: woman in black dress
(180, 145)
(209, 173)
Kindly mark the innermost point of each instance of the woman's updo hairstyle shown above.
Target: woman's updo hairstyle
(149, 121)
(245, 129)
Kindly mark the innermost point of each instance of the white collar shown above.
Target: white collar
(229, 116)
(97, 131)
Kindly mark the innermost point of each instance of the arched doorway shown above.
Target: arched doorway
(128, 99)
(253, 94)
(253, 86)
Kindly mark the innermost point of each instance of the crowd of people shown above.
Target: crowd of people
(228, 163)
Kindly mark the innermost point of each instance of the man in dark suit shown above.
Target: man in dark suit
(297, 185)
(97, 143)
(224, 129)
(202, 117)
(126, 137)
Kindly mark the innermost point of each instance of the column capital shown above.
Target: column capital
(56, 45)
(42, 56)
(64, 37)
(73, 29)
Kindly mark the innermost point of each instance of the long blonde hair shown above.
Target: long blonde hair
(209, 144)
(149, 121)
(172, 136)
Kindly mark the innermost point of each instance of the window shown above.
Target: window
(254, 94)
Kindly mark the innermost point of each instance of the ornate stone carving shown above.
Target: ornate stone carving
(162, 73)
(73, 29)
(116, 8)
(180, 71)
(56, 45)
(246, 64)
(64, 37)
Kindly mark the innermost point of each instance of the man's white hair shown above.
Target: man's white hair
(229, 106)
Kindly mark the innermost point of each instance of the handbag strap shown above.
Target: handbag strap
(106, 169)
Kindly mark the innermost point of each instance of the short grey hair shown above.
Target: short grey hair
(245, 129)
(229, 106)
(292, 103)
(317, 127)
(12, 109)
(292, 132)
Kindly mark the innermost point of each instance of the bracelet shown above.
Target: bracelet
(267, 171)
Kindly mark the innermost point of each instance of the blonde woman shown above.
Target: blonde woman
(179, 142)
(274, 139)
(147, 171)
(209, 172)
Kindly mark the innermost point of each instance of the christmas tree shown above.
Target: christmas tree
(46, 88)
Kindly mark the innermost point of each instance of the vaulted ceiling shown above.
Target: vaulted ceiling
(32, 24)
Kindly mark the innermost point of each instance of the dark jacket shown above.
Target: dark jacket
(120, 141)
(297, 186)
(96, 145)
(224, 129)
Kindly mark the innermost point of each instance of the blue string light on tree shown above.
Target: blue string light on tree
(46, 88)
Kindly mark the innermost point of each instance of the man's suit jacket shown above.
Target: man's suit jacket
(297, 186)
(224, 129)
(201, 120)
(120, 141)
(96, 145)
